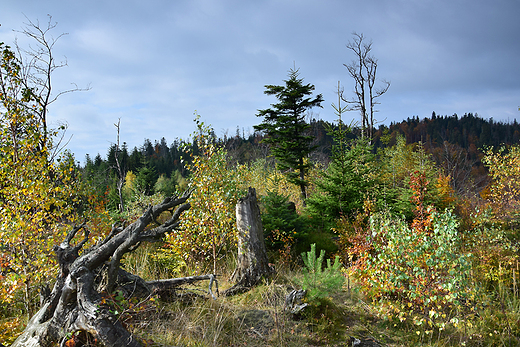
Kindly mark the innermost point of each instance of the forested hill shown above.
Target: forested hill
(468, 131)
(461, 138)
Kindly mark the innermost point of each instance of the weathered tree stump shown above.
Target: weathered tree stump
(252, 256)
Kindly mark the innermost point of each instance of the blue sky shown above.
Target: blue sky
(154, 63)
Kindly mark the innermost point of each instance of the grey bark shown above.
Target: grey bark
(252, 255)
(294, 301)
(75, 301)
(363, 71)
(166, 287)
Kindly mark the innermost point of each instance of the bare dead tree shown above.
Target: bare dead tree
(75, 303)
(363, 70)
(38, 65)
(120, 171)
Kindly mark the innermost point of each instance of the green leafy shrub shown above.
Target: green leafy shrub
(320, 282)
(425, 271)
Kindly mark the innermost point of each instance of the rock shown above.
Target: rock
(363, 342)
(294, 301)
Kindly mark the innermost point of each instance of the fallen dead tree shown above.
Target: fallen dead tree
(167, 288)
(75, 303)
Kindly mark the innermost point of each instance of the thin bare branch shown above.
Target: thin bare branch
(37, 66)
(363, 71)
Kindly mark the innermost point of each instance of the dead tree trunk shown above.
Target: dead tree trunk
(75, 303)
(252, 256)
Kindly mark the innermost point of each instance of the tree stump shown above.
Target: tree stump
(252, 256)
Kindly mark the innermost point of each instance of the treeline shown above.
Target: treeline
(456, 144)
(469, 131)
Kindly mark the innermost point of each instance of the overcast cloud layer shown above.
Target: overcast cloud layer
(154, 63)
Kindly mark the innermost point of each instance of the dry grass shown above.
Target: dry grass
(254, 318)
(258, 318)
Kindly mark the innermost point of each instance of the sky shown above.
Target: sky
(153, 64)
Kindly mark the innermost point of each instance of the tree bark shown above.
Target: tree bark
(75, 303)
(252, 256)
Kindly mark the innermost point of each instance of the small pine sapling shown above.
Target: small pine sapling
(320, 282)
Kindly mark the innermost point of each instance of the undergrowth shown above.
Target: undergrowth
(258, 317)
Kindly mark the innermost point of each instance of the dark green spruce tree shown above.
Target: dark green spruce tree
(348, 179)
(286, 129)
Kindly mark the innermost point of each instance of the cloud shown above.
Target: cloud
(154, 63)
